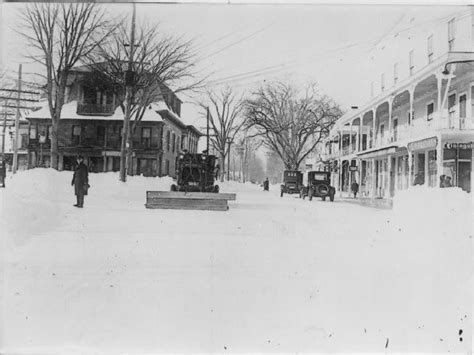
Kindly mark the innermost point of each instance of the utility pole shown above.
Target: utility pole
(129, 77)
(228, 159)
(207, 130)
(17, 123)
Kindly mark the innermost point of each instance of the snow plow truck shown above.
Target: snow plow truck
(195, 187)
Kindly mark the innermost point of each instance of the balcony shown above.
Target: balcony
(95, 109)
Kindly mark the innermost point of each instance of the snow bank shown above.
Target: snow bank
(432, 209)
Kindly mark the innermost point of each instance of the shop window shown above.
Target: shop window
(452, 105)
(462, 106)
(429, 111)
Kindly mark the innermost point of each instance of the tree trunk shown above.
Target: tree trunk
(130, 153)
(222, 159)
(54, 143)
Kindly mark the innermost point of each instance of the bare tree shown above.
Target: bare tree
(226, 121)
(290, 122)
(60, 35)
(159, 61)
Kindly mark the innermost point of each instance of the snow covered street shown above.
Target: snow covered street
(270, 275)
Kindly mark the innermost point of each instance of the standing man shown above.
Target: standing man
(355, 188)
(266, 185)
(80, 181)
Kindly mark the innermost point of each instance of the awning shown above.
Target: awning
(376, 153)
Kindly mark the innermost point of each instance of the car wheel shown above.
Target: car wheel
(322, 189)
(174, 187)
(331, 195)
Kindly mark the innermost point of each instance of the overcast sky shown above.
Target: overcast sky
(243, 45)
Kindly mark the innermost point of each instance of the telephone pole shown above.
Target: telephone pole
(207, 130)
(129, 78)
(17, 123)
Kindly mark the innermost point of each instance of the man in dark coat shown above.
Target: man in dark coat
(80, 181)
(355, 188)
(266, 185)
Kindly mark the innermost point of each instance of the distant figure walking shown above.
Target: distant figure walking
(266, 185)
(355, 188)
(80, 181)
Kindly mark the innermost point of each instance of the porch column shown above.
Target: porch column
(350, 138)
(439, 81)
(395, 176)
(426, 182)
(439, 160)
(358, 137)
(373, 184)
(389, 175)
(390, 130)
(412, 95)
(374, 119)
(410, 162)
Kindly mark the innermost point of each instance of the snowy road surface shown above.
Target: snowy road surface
(270, 275)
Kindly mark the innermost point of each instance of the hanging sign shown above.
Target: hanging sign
(423, 144)
(459, 145)
(353, 168)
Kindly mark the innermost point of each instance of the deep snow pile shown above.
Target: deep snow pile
(272, 274)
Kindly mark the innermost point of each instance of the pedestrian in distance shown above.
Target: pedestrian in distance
(80, 181)
(266, 185)
(447, 182)
(442, 181)
(355, 188)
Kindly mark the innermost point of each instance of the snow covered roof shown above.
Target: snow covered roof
(69, 112)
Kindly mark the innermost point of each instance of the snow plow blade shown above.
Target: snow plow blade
(188, 200)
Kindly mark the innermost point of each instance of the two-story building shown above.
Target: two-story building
(91, 125)
(417, 126)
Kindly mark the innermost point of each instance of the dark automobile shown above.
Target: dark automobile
(292, 182)
(195, 173)
(319, 185)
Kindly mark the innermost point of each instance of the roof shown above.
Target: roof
(69, 112)
(196, 131)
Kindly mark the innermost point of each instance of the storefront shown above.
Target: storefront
(457, 163)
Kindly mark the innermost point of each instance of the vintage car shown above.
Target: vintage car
(319, 185)
(292, 182)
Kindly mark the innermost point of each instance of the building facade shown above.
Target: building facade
(91, 125)
(417, 127)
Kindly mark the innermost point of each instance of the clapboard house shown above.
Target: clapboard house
(91, 125)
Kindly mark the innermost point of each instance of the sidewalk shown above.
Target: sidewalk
(381, 203)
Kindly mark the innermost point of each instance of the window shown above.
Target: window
(382, 82)
(382, 129)
(167, 167)
(146, 137)
(177, 145)
(33, 132)
(411, 62)
(452, 105)
(462, 106)
(100, 134)
(173, 143)
(182, 142)
(429, 111)
(168, 139)
(430, 49)
(451, 34)
(76, 135)
(395, 73)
